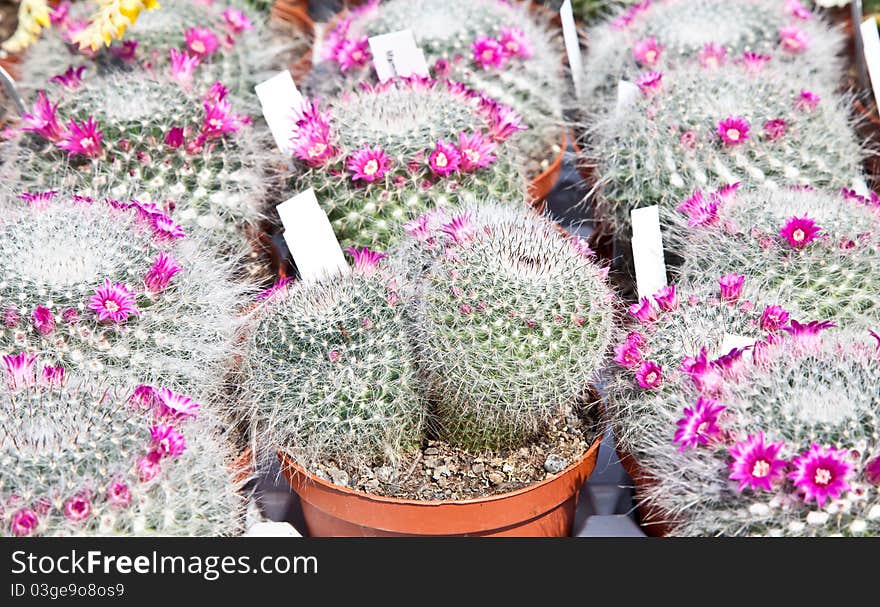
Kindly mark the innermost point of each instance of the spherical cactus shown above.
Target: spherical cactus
(132, 136)
(380, 156)
(217, 41)
(658, 35)
(816, 249)
(329, 371)
(707, 128)
(501, 49)
(513, 320)
(115, 290)
(79, 458)
(783, 444)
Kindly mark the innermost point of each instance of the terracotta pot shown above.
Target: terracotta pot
(293, 12)
(544, 509)
(10, 64)
(655, 521)
(242, 469)
(543, 184)
(868, 127)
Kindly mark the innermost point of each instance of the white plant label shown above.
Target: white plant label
(572, 45)
(272, 529)
(280, 100)
(397, 54)
(8, 83)
(871, 47)
(861, 188)
(310, 238)
(627, 94)
(647, 247)
(732, 341)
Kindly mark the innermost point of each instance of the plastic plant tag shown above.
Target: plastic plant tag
(871, 48)
(572, 45)
(8, 83)
(272, 529)
(861, 188)
(647, 247)
(280, 99)
(732, 341)
(310, 238)
(627, 94)
(397, 54)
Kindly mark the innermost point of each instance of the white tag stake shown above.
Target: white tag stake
(861, 188)
(647, 247)
(280, 100)
(310, 238)
(627, 94)
(572, 45)
(272, 529)
(871, 48)
(397, 54)
(732, 341)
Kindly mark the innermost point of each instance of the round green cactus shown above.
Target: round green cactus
(512, 324)
(329, 371)
(79, 458)
(380, 156)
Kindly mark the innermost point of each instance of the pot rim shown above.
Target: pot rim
(557, 162)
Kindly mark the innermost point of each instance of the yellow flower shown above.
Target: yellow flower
(33, 16)
(111, 21)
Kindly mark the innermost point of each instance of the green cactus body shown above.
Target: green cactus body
(329, 371)
(375, 169)
(701, 128)
(818, 250)
(513, 321)
(712, 31)
(81, 459)
(530, 80)
(793, 452)
(112, 291)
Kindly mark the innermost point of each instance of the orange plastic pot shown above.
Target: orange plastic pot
(544, 509)
(543, 184)
(242, 468)
(869, 130)
(655, 522)
(296, 15)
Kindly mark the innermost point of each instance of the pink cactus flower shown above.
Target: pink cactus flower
(754, 62)
(666, 298)
(167, 440)
(23, 522)
(650, 83)
(647, 52)
(476, 152)
(644, 311)
(183, 66)
(699, 425)
(165, 227)
(799, 231)
(236, 21)
(773, 318)
(712, 56)
(368, 164)
(82, 138)
(821, 473)
(201, 42)
(174, 138)
(650, 375)
(365, 261)
(126, 51)
(489, 53)
(119, 494)
(809, 335)
(755, 464)
(445, 159)
(731, 286)
(174, 406)
(159, 275)
(775, 129)
(798, 10)
(354, 54)
(20, 370)
(43, 320)
(78, 508)
(515, 43)
(733, 130)
(149, 466)
(793, 39)
(71, 78)
(459, 229)
(808, 100)
(42, 119)
(504, 122)
(113, 302)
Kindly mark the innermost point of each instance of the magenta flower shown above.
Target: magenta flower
(175, 406)
(798, 10)
(731, 364)
(167, 440)
(755, 464)
(712, 56)
(582, 247)
(119, 494)
(236, 21)
(644, 311)
(368, 164)
(311, 141)
(71, 78)
(333, 356)
(647, 52)
(219, 119)
(649, 375)
(20, 370)
(731, 286)
(23, 522)
(43, 320)
(628, 354)
(793, 39)
(82, 138)
(489, 53)
(688, 139)
(799, 231)
(459, 228)
(733, 130)
(504, 122)
(754, 62)
(821, 473)
(365, 260)
(279, 286)
(702, 211)
(127, 51)
(445, 159)
(699, 424)
(59, 14)
(515, 43)
(650, 82)
(704, 375)
(354, 54)
(42, 119)
(476, 152)
(53, 375)
(38, 200)
(174, 138)
(166, 228)
(872, 471)
(148, 467)
(201, 42)
(113, 302)
(666, 298)
(77, 508)
(159, 275)
(809, 335)
(773, 318)
(183, 66)
(11, 318)
(808, 100)
(775, 129)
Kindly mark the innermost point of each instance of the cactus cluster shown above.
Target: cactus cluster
(709, 127)
(329, 370)
(80, 458)
(502, 49)
(782, 443)
(816, 249)
(380, 156)
(660, 35)
(133, 136)
(115, 290)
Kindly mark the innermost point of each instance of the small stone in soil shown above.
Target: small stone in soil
(385, 474)
(555, 464)
(340, 477)
(496, 478)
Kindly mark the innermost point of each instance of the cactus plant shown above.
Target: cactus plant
(79, 458)
(329, 370)
(513, 320)
(131, 136)
(659, 35)
(817, 249)
(707, 128)
(380, 156)
(497, 48)
(115, 290)
(783, 444)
